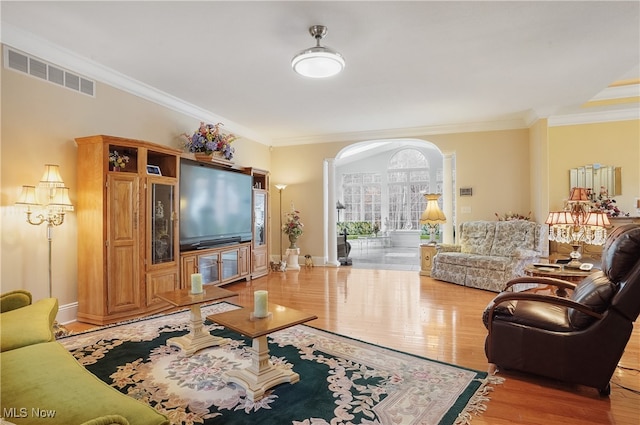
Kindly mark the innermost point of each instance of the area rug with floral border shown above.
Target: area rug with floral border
(343, 381)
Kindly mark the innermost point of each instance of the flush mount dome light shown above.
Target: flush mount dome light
(318, 61)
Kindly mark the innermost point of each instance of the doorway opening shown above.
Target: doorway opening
(379, 192)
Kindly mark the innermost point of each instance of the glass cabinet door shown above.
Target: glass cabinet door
(230, 264)
(162, 213)
(208, 267)
(259, 218)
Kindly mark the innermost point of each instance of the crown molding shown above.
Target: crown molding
(50, 52)
(617, 92)
(627, 114)
(396, 133)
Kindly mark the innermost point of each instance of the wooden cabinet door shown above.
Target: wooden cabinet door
(188, 266)
(259, 261)
(123, 244)
(161, 281)
(244, 260)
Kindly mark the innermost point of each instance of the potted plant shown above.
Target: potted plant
(292, 227)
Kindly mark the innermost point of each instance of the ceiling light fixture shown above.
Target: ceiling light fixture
(318, 61)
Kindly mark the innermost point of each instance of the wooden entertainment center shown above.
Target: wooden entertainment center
(128, 231)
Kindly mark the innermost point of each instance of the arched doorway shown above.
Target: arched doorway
(381, 182)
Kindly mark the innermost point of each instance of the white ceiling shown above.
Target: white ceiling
(412, 67)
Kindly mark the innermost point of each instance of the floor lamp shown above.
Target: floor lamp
(280, 188)
(52, 213)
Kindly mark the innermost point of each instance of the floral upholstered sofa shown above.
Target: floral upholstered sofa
(490, 253)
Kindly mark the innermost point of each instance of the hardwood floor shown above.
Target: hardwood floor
(442, 321)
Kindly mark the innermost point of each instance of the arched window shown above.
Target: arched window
(408, 179)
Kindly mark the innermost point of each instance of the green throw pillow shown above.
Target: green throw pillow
(28, 325)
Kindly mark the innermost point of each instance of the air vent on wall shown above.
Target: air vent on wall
(24, 63)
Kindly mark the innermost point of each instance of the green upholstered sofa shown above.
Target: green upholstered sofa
(41, 382)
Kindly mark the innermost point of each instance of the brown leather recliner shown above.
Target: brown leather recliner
(579, 339)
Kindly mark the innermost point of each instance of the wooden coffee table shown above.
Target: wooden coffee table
(197, 338)
(564, 273)
(262, 374)
(568, 274)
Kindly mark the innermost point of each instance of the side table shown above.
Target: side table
(427, 252)
(564, 273)
(197, 338)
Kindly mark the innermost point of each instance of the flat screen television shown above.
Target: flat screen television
(215, 206)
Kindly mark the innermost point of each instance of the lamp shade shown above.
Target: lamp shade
(60, 200)
(280, 186)
(28, 197)
(432, 214)
(560, 217)
(51, 176)
(578, 194)
(598, 219)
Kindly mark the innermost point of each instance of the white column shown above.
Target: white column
(331, 241)
(447, 197)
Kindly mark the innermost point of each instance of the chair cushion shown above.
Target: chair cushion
(47, 376)
(595, 291)
(476, 237)
(513, 235)
(28, 325)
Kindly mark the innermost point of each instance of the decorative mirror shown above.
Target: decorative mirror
(595, 176)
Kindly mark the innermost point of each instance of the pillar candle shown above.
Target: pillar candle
(261, 299)
(196, 283)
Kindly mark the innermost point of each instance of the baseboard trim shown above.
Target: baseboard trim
(67, 313)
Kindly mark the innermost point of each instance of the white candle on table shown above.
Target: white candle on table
(196, 283)
(260, 299)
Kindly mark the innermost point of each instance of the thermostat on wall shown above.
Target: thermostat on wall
(466, 191)
(154, 169)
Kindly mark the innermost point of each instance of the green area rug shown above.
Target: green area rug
(342, 380)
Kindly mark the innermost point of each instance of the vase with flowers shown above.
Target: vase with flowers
(292, 227)
(117, 161)
(209, 140)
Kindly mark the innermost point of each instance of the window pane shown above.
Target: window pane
(408, 158)
(362, 196)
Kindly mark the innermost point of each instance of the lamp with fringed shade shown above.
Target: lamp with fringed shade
(432, 215)
(577, 225)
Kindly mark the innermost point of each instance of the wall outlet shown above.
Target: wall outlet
(465, 210)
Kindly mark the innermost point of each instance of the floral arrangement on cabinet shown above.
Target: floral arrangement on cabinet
(292, 226)
(208, 139)
(603, 203)
(117, 161)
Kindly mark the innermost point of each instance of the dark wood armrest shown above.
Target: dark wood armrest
(541, 281)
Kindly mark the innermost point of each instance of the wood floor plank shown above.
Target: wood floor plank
(442, 321)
